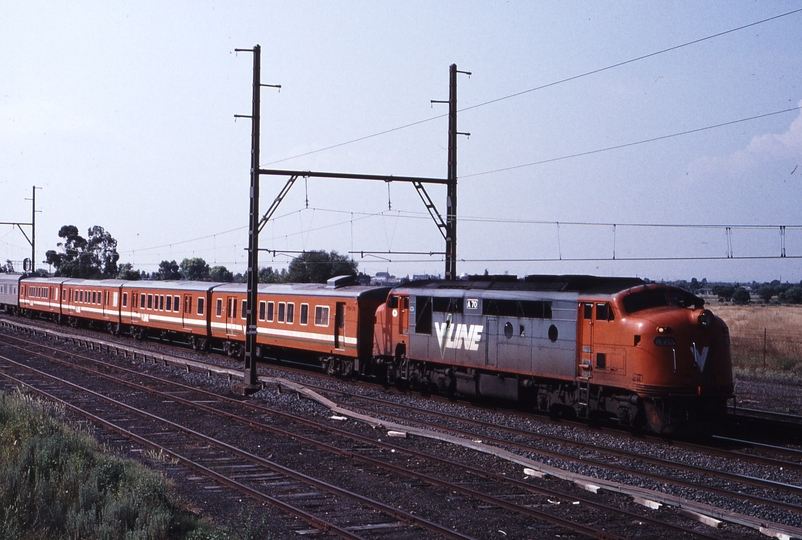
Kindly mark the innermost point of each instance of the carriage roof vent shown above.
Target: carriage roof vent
(340, 281)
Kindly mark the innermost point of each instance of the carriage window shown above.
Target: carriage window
(244, 309)
(200, 305)
(169, 303)
(423, 314)
(262, 308)
(150, 301)
(142, 301)
(219, 307)
(161, 301)
(125, 299)
(281, 307)
(321, 315)
(270, 309)
(176, 305)
(290, 313)
(304, 314)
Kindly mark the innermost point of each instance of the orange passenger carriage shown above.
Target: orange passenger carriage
(168, 309)
(331, 322)
(93, 301)
(41, 297)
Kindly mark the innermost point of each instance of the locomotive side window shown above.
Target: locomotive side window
(200, 305)
(445, 305)
(530, 309)
(587, 311)
(262, 309)
(423, 314)
(304, 314)
(321, 315)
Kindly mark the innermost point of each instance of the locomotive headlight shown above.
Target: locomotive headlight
(663, 329)
(706, 317)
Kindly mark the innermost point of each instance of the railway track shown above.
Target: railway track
(504, 485)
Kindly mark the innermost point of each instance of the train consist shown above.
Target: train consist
(642, 354)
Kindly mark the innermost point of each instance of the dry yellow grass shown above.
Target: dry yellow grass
(764, 338)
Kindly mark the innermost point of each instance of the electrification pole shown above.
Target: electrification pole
(250, 378)
(451, 193)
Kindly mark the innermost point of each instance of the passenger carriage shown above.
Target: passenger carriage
(94, 301)
(169, 309)
(9, 292)
(331, 322)
(41, 297)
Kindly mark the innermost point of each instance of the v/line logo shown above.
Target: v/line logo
(458, 336)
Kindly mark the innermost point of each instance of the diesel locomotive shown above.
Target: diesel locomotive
(644, 355)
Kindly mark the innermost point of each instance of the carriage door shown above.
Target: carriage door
(186, 313)
(339, 325)
(585, 315)
(491, 353)
(231, 315)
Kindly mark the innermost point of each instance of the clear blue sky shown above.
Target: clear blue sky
(123, 113)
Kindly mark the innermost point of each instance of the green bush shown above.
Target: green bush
(55, 482)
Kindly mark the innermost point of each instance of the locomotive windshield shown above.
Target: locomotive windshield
(654, 298)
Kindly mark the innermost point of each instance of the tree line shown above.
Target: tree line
(745, 293)
(96, 257)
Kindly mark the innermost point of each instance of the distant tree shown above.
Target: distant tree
(221, 273)
(724, 292)
(741, 296)
(195, 269)
(268, 275)
(8, 267)
(694, 286)
(92, 258)
(766, 292)
(792, 295)
(127, 272)
(168, 270)
(319, 266)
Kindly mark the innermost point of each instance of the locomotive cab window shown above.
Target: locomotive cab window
(604, 312)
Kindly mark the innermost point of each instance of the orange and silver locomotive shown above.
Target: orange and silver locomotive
(620, 348)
